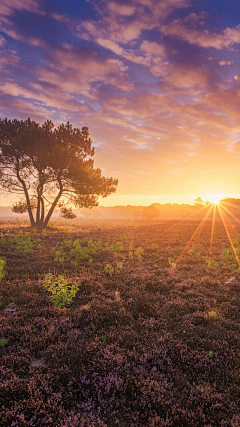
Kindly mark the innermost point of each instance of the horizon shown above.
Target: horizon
(158, 90)
(173, 204)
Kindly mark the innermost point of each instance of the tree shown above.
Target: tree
(150, 212)
(198, 202)
(48, 167)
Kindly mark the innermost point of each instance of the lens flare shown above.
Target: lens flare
(215, 198)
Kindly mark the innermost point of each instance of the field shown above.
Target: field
(151, 337)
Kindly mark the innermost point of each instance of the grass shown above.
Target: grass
(131, 339)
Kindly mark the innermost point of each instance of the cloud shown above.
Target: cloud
(153, 48)
(224, 62)
(9, 7)
(187, 76)
(78, 71)
(192, 30)
(161, 9)
(121, 9)
(143, 56)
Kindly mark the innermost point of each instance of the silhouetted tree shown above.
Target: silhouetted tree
(150, 212)
(45, 164)
(198, 202)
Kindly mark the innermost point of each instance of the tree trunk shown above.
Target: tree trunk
(38, 210)
(27, 200)
(42, 211)
(50, 212)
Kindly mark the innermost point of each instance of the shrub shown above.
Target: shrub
(108, 269)
(62, 291)
(2, 267)
(117, 246)
(139, 252)
(71, 250)
(23, 243)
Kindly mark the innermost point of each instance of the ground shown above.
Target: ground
(150, 339)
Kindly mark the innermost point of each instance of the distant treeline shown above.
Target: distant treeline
(155, 211)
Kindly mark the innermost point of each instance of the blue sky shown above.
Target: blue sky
(157, 84)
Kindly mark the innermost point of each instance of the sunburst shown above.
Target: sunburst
(215, 198)
(216, 205)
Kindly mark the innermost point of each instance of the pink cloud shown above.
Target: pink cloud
(191, 29)
(153, 48)
(188, 76)
(7, 7)
(121, 9)
(75, 73)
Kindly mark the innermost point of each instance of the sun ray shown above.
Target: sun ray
(212, 231)
(230, 213)
(230, 204)
(198, 229)
(187, 217)
(228, 235)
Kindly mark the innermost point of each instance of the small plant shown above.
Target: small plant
(2, 342)
(212, 314)
(62, 291)
(23, 243)
(119, 267)
(154, 246)
(212, 264)
(196, 250)
(130, 255)
(104, 339)
(210, 353)
(228, 257)
(108, 269)
(2, 267)
(139, 252)
(117, 246)
(72, 251)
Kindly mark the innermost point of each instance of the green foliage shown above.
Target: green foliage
(117, 246)
(62, 291)
(119, 267)
(130, 254)
(72, 251)
(108, 269)
(2, 267)
(2, 342)
(212, 314)
(24, 243)
(154, 246)
(139, 252)
(228, 257)
(212, 264)
(196, 250)
(104, 339)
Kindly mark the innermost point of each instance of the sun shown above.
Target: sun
(215, 198)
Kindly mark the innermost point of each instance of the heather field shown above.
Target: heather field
(108, 325)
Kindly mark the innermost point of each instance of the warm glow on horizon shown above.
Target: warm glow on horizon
(215, 198)
(157, 84)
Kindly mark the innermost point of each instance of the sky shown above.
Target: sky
(157, 82)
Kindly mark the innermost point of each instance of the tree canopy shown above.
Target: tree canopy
(49, 166)
(150, 212)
